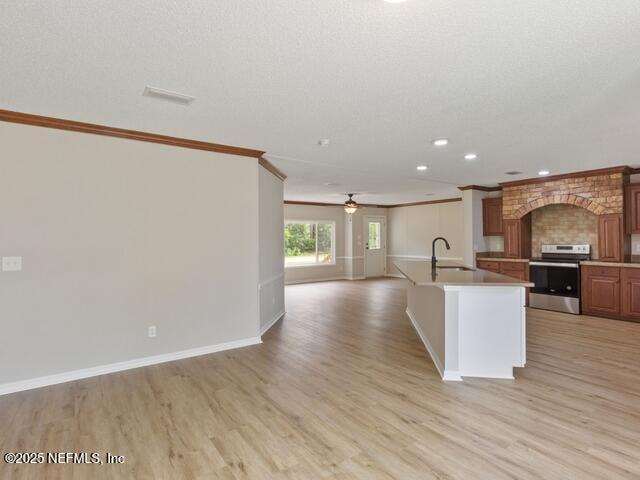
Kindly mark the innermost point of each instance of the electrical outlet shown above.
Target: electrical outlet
(11, 264)
(152, 331)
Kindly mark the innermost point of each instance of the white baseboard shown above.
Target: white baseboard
(120, 366)
(394, 275)
(325, 279)
(273, 321)
(446, 375)
(315, 280)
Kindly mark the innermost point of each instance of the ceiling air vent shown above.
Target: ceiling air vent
(513, 172)
(167, 95)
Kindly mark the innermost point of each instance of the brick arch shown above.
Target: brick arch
(586, 203)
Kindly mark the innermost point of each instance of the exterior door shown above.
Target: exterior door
(375, 249)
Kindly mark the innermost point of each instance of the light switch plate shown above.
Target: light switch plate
(11, 264)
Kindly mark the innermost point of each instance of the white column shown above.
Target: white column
(474, 240)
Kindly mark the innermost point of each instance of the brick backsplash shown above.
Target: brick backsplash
(598, 194)
(563, 224)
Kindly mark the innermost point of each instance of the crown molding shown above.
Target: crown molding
(320, 204)
(428, 202)
(480, 188)
(82, 127)
(272, 168)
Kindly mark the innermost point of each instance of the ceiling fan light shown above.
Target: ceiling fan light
(350, 206)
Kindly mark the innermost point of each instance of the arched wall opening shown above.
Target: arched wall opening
(562, 223)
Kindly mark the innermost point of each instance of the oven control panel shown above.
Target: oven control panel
(575, 249)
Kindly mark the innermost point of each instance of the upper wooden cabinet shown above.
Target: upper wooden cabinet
(632, 208)
(517, 237)
(492, 216)
(613, 244)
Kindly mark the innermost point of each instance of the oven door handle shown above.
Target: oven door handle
(554, 264)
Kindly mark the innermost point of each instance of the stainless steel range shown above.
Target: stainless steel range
(556, 276)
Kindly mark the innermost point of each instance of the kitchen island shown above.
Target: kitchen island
(472, 322)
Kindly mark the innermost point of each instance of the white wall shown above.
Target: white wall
(271, 249)
(412, 229)
(474, 239)
(117, 235)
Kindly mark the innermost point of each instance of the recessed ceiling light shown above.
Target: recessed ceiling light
(324, 142)
(163, 94)
(421, 168)
(470, 156)
(543, 173)
(440, 142)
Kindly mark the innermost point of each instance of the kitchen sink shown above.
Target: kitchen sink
(455, 268)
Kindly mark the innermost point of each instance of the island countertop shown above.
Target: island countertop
(419, 273)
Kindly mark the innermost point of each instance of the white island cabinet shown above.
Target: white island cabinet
(472, 322)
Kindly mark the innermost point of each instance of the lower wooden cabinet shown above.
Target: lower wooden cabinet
(519, 270)
(489, 265)
(630, 278)
(601, 290)
(612, 292)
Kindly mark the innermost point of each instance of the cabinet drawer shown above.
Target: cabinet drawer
(513, 266)
(488, 265)
(613, 272)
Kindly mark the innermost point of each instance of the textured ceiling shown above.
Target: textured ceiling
(525, 84)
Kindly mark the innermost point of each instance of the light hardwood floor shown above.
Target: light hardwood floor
(343, 389)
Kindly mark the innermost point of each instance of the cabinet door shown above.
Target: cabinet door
(601, 290)
(630, 279)
(611, 237)
(632, 208)
(492, 216)
(511, 238)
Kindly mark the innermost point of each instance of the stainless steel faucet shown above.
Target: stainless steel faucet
(434, 260)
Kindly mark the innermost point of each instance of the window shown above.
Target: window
(374, 236)
(309, 243)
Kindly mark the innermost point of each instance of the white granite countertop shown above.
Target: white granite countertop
(419, 272)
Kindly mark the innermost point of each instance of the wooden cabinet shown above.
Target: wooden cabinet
(630, 280)
(612, 241)
(517, 237)
(519, 270)
(632, 208)
(492, 216)
(601, 290)
(489, 265)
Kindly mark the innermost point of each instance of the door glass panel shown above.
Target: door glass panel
(374, 236)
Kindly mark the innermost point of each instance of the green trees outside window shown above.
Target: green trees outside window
(308, 243)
